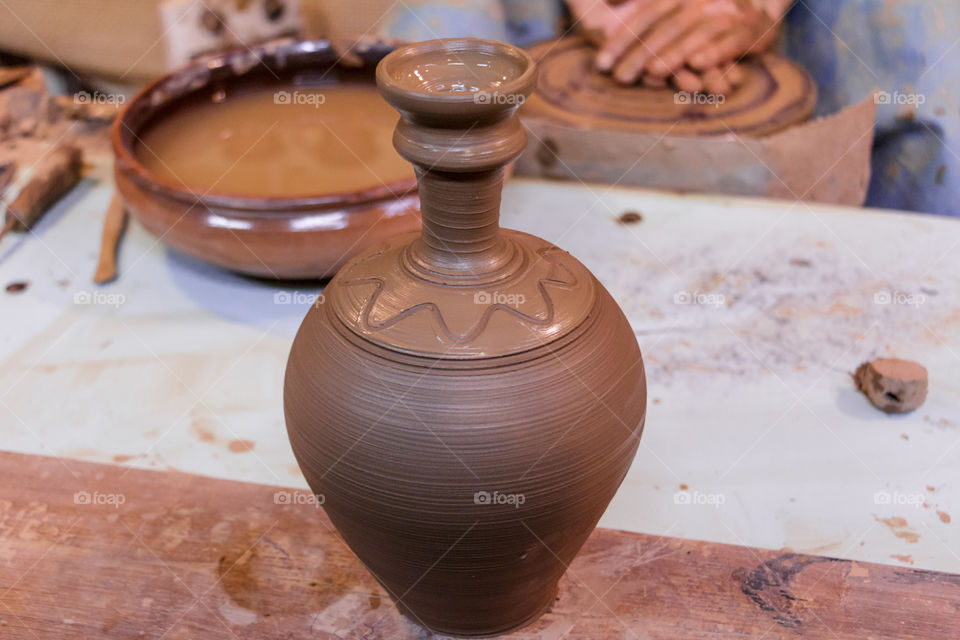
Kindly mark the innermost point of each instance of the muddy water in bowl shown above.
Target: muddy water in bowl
(285, 202)
(279, 142)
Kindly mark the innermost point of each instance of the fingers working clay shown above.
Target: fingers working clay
(688, 81)
(733, 73)
(715, 80)
(691, 42)
(643, 15)
(668, 43)
(675, 55)
(755, 32)
(732, 46)
(658, 82)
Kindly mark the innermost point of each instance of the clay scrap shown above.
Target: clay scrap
(43, 139)
(893, 385)
(80, 119)
(38, 174)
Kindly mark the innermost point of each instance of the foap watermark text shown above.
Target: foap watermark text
(96, 498)
(98, 97)
(685, 97)
(99, 298)
(498, 297)
(899, 498)
(492, 97)
(298, 298)
(310, 98)
(497, 497)
(697, 298)
(899, 298)
(898, 98)
(714, 500)
(299, 498)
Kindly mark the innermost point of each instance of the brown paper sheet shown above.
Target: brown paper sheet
(823, 160)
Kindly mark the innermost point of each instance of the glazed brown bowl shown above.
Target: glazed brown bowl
(302, 237)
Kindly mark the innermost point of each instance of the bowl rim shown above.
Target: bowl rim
(194, 77)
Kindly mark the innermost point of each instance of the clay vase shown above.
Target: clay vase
(467, 399)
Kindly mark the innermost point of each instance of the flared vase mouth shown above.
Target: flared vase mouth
(457, 76)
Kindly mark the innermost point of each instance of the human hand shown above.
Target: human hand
(718, 80)
(692, 42)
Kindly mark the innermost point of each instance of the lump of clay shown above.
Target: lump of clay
(892, 385)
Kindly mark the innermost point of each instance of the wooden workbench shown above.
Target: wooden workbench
(98, 551)
(751, 315)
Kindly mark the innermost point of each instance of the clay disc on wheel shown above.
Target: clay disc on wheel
(775, 93)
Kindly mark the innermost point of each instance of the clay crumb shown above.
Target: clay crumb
(892, 385)
(900, 528)
(944, 517)
(910, 536)
(630, 217)
(203, 435)
(902, 558)
(17, 287)
(241, 446)
(684, 486)
(800, 262)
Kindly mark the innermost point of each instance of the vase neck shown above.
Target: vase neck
(461, 222)
(460, 171)
(458, 126)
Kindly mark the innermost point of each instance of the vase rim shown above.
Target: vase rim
(469, 76)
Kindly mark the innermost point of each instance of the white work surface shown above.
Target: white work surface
(751, 315)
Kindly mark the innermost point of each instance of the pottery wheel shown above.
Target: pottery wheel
(775, 93)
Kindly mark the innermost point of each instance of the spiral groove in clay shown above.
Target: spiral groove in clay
(774, 95)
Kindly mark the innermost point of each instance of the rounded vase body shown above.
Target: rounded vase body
(467, 400)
